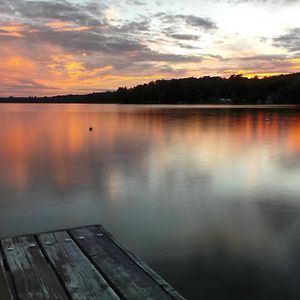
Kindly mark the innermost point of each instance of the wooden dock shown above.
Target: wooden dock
(80, 263)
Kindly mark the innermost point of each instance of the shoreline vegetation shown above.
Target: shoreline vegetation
(281, 89)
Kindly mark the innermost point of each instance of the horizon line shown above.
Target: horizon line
(259, 76)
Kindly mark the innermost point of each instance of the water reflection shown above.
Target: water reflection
(208, 196)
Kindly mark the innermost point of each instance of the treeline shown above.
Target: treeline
(105, 97)
(282, 89)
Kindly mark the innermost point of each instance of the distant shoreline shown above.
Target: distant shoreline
(159, 104)
(235, 90)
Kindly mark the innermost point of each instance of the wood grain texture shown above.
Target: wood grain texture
(33, 277)
(159, 280)
(5, 289)
(85, 263)
(81, 279)
(123, 274)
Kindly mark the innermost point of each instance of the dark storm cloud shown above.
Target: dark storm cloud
(290, 40)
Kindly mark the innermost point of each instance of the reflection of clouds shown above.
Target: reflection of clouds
(55, 144)
(178, 147)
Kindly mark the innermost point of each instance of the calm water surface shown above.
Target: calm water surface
(209, 197)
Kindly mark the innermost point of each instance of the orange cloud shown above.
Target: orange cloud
(65, 26)
(12, 29)
(15, 63)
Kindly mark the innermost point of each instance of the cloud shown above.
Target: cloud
(202, 23)
(187, 37)
(84, 41)
(35, 11)
(149, 55)
(135, 2)
(134, 27)
(289, 40)
(76, 29)
(265, 57)
(262, 65)
(63, 47)
(22, 85)
(280, 2)
(91, 41)
(182, 31)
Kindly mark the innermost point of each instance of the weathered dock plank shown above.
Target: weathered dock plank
(159, 280)
(5, 290)
(81, 279)
(125, 275)
(84, 263)
(33, 278)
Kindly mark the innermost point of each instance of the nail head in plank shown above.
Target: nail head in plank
(32, 276)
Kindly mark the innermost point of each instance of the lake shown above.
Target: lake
(208, 196)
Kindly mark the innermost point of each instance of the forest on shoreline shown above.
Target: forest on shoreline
(281, 89)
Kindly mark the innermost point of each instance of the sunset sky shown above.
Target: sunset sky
(76, 46)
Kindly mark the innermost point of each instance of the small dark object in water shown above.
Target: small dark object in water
(91, 129)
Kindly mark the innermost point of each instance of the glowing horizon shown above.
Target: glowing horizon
(77, 46)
